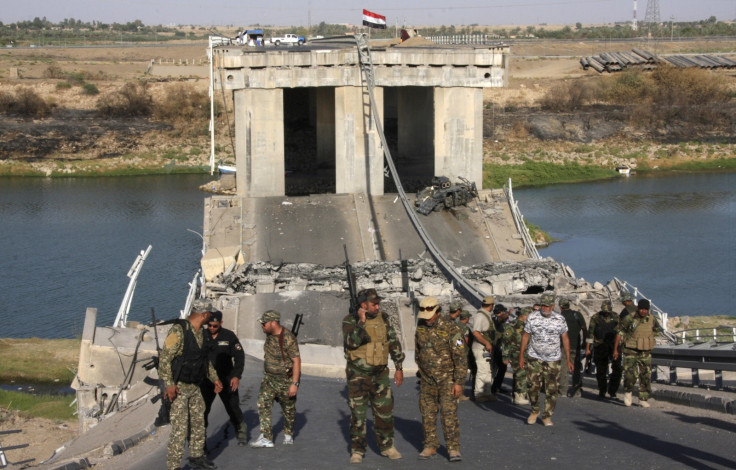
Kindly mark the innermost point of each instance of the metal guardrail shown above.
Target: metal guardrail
(3, 459)
(529, 247)
(696, 357)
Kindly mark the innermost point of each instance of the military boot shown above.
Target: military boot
(520, 399)
(242, 434)
(627, 398)
(532, 418)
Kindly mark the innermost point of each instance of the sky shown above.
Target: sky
(409, 12)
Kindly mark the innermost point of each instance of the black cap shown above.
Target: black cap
(216, 316)
(643, 303)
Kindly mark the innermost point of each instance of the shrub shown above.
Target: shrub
(90, 89)
(182, 101)
(53, 71)
(63, 85)
(132, 99)
(25, 102)
(567, 96)
(75, 78)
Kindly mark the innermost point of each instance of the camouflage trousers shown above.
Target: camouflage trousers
(187, 419)
(374, 390)
(276, 387)
(520, 381)
(603, 355)
(547, 374)
(434, 398)
(638, 365)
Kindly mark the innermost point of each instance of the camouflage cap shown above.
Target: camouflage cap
(464, 314)
(428, 306)
(547, 300)
(456, 305)
(526, 311)
(626, 297)
(202, 306)
(369, 295)
(564, 303)
(489, 300)
(606, 306)
(269, 315)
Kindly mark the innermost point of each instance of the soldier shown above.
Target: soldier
(602, 335)
(228, 357)
(462, 318)
(500, 317)
(575, 325)
(542, 333)
(512, 334)
(282, 367)
(638, 332)
(369, 338)
(184, 363)
(629, 307)
(441, 358)
(483, 331)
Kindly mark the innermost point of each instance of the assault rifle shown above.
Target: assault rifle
(298, 322)
(163, 412)
(588, 367)
(354, 306)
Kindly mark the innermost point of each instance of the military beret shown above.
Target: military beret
(643, 303)
(216, 316)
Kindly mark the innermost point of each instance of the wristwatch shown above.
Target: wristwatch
(295, 383)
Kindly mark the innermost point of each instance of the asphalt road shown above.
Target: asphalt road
(588, 433)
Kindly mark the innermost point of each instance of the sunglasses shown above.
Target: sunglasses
(426, 309)
(213, 326)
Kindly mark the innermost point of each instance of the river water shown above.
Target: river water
(671, 236)
(67, 244)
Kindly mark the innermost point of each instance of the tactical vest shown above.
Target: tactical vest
(191, 366)
(605, 329)
(374, 353)
(642, 338)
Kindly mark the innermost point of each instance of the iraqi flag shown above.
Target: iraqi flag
(373, 20)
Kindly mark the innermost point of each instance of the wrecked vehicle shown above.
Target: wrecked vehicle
(443, 194)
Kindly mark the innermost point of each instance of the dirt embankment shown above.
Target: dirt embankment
(74, 139)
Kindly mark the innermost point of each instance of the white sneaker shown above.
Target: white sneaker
(261, 442)
(288, 440)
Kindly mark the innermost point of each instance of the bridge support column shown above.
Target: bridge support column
(458, 133)
(259, 142)
(358, 150)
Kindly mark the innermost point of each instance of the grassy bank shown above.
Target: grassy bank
(56, 407)
(36, 360)
(93, 168)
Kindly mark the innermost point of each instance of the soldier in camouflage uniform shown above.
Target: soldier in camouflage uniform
(282, 367)
(369, 338)
(441, 357)
(629, 307)
(542, 334)
(602, 335)
(512, 334)
(183, 364)
(462, 319)
(637, 333)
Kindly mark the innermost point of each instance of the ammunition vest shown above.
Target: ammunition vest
(605, 329)
(642, 338)
(191, 366)
(375, 352)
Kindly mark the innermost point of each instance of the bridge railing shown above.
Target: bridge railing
(710, 356)
(529, 247)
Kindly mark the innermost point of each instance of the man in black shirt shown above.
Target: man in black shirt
(228, 357)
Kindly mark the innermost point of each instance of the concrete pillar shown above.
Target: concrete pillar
(416, 118)
(458, 133)
(259, 142)
(358, 151)
(325, 125)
